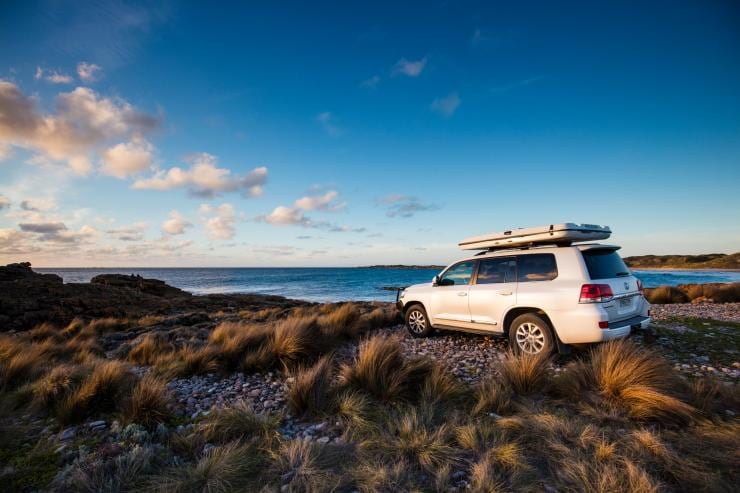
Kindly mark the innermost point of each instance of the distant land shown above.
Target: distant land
(707, 261)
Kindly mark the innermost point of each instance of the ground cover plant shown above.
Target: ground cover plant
(615, 417)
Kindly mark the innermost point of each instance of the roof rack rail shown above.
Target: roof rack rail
(526, 246)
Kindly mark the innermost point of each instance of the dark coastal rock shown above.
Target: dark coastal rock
(28, 298)
(149, 286)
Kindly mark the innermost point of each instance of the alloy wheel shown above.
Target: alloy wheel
(417, 322)
(530, 338)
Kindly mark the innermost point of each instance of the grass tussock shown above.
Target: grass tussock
(310, 467)
(623, 375)
(382, 370)
(237, 422)
(149, 349)
(525, 374)
(296, 341)
(108, 385)
(149, 403)
(685, 293)
(221, 469)
(311, 391)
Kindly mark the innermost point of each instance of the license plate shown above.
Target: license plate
(625, 302)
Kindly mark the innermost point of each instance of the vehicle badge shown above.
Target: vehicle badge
(626, 285)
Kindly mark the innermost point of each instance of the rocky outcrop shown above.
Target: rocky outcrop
(154, 287)
(28, 298)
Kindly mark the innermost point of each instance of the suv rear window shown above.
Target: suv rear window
(536, 267)
(603, 263)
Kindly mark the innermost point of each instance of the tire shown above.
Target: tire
(417, 321)
(530, 334)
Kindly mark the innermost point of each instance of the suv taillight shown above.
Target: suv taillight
(639, 286)
(595, 293)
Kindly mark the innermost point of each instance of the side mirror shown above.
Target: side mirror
(435, 281)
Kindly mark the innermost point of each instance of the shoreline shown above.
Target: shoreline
(679, 269)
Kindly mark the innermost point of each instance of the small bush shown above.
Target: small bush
(666, 294)
(341, 322)
(310, 393)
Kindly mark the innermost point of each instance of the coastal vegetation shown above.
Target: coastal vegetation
(695, 293)
(707, 261)
(331, 397)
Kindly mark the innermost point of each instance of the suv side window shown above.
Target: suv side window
(458, 274)
(536, 267)
(496, 270)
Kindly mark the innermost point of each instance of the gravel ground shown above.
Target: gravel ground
(727, 312)
(472, 357)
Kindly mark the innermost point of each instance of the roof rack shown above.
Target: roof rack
(527, 246)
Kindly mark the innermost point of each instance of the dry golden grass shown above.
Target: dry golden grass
(237, 422)
(341, 322)
(23, 365)
(630, 378)
(151, 347)
(186, 362)
(296, 341)
(222, 469)
(382, 370)
(149, 403)
(411, 436)
(103, 390)
(309, 467)
(310, 393)
(666, 294)
(55, 386)
(492, 396)
(355, 410)
(525, 374)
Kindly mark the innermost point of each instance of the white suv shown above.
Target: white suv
(542, 298)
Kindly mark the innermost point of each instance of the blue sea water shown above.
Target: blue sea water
(331, 284)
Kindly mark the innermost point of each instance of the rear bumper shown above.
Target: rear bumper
(620, 330)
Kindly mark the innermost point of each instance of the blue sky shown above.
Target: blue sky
(293, 134)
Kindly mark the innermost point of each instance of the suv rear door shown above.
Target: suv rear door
(493, 292)
(605, 266)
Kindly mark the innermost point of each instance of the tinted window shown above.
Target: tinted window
(604, 264)
(496, 270)
(536, 267)
(458, 274)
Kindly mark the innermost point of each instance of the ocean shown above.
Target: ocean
(331, 284)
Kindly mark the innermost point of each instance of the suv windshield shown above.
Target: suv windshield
(603, 263)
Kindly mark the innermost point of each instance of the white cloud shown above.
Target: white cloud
(88, 72)
(126, 159)
(328, 121)
(410, 68)
(40, 204)
(404, 206)
(52, 76)
(220, 222)
(131, 232)
(176, 224)
(284, 216)
(205, 179)
(325, 202)
(446, 106)
(83, 123)
(4, 202)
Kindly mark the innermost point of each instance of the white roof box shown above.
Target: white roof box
(563, 233)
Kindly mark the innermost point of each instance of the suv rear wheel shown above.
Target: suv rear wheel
(417, 321)
(530, 334)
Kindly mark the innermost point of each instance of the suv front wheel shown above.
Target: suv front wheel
(530, 334)
(417, 321)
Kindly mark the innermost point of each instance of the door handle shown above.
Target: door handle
(462, 293)
(505, 293)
